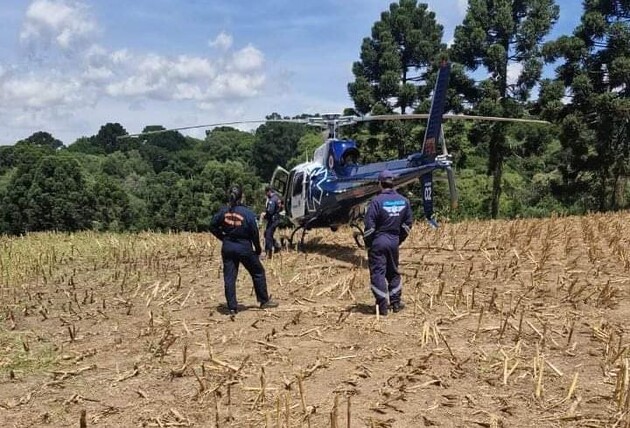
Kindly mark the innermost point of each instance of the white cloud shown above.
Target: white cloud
(186, 67)
(235, 85)
(63, 24)
(74, 71)
(187, 77)
(462, 6)
(514, 70)
(97, 74)
(248, 59)
(223, 41)
(37, 92)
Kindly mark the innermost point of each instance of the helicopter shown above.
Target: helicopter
(333, 188)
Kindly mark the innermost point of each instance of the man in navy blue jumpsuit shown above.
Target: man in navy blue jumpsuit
(235, 226)
(388, 222)
(272, 217)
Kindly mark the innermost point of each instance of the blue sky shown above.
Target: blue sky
(69, 66)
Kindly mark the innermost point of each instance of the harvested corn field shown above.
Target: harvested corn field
(507, 323)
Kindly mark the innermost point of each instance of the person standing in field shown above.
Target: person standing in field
(235, 226)
(272, 218)
(388, 221)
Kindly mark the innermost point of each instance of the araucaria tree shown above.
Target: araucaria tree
(396, 60)
(595, 115)
(504, 37)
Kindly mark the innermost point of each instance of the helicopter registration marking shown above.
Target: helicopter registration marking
(427, 191)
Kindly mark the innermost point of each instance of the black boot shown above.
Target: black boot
(269, 304)
(398, 306)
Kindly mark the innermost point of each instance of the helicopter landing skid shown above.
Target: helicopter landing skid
(293, 236)
(304, 228)
(300, 245)
(358, 235)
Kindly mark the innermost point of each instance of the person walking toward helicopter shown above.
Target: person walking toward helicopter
(388, 221)
(235, 226)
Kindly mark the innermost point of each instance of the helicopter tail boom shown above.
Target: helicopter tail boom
(434, 126)
(431, 138)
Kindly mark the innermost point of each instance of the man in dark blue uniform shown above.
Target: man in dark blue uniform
(235, 226)
(388, 222)
(272, 217)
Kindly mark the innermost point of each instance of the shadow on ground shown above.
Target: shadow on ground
(362, 308)
(223, 309)
(342, 253)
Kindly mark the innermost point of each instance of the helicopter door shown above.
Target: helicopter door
(298, 196)
(279, 181)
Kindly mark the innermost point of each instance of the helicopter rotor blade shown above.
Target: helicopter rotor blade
(340, 121)
(212, 125)
(416, 116)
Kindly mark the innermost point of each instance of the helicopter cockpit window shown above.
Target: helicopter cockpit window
(297, 184)
(350, 158)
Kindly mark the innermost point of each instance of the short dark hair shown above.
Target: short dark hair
(268, 188)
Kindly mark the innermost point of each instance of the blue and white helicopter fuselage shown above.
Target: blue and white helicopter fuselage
(333, 189)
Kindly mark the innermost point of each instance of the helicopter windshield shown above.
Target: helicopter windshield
(350, 157)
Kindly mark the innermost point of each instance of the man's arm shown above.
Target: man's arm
(406, 223)
(216, 223)
(370, 223)
(254, 234)
(270, 208)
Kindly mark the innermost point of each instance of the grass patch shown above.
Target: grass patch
(21, 353)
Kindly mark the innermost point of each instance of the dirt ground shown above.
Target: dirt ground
(513, 324)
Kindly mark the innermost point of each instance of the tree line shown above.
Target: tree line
(167, 181)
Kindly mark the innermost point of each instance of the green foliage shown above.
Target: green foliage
(86, 145)
(110, 205)
(218, 177)
(275, 144)
(166, 181)
(404, 44)
(594, 129)
(397, 68)
(107, 137)
(123, 164)
(227, 143)
(306, 146)
(170, 140)
(15, 203)
(6, 159)
(57, 198)
(42, 139)
(501, 35)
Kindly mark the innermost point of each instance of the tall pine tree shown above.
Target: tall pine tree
(396, 59)
(595, 122)
(504, 37)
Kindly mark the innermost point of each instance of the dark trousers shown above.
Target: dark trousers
(384, 276)
(270, 229)
(233, 254)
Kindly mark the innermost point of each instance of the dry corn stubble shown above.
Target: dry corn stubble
(485, 297)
